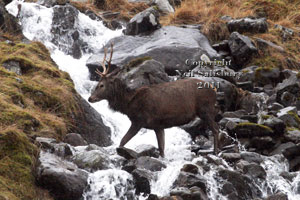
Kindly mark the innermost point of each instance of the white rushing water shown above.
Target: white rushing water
(36, 22)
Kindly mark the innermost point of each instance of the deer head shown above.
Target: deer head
(102, 89)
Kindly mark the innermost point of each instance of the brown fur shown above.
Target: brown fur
(159, 106)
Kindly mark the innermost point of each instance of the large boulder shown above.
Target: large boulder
(291, 85)
(253, 102)
(249, 25)
(163, 45)
(164, 6)
(236, 184)
(91, 160)
(242, 49)
(143, 23)
(89, 124)
(75, 139)
(63, 179)
(142, 72)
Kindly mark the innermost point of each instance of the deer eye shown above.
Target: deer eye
(101, 86)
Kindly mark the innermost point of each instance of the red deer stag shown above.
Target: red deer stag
(157, 106)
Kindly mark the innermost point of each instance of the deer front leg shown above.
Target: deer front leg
(160, 135)
(133, 130)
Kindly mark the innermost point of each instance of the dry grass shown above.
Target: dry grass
(127, 10)
(208, 13)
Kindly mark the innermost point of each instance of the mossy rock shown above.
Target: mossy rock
(249, 130)
(17, 156)
(136, 62)
(40, 102)
(296, 117)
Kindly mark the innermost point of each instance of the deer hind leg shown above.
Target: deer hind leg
(160, 135)
(209, 117)
(133, 130)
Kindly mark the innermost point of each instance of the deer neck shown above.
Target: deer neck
(121, 97)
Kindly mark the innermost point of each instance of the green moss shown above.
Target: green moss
(296, 117)
(16, 161)
(289, 128)
(137, 61)
(245, 124)
(40, 97)
(265, 117)
(25, 63)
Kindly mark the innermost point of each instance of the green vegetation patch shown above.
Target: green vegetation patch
(40, 102)
(136, 62)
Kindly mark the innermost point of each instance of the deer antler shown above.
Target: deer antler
(105, 70)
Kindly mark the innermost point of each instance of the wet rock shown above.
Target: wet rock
(171, 198)
(292, 151)
(164, 6)
(276, 124)
(89, 124)
(127, 153)
(194, 128)
(65, 36)
(63, 179)
(186, 179)
(286, 33)
(264, 45)
(231, 123)
(238, 183)
(278, 196)
(163, 45)
(289, 116)
(275, 107)
(142, 181)
(13, 66)
(52, 146)
(242, 48)
(253, 102)
(235, 114)
(249, 25)
(249, 130)
(153, 197)
(292, 135)
(254, 171)
(252, 157)
(231, 157)
(265, 75)
(287, 99)
(147, 150)
(250, 118)
(144, 22)
(289, 175)
(247, 74)
(291, 85)
(149, 163)
(51, 3)
(91, 160)
(194, 193)
(222, 46)
(190, 168)
(282, 147)
(129, 166)
(75, 139)
(262, 143)
(145, 73)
